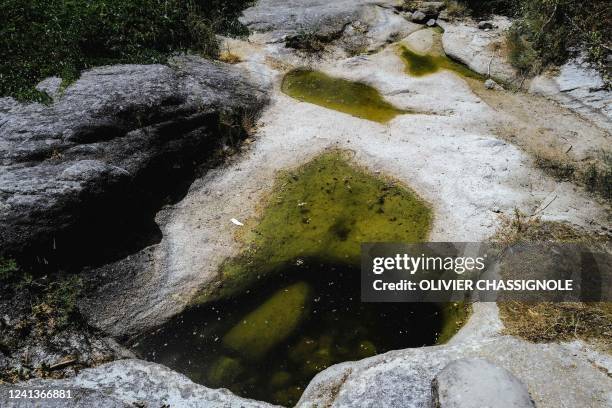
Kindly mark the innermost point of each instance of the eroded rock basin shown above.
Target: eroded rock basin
(268, 343)
(454, 160)
(289, 305)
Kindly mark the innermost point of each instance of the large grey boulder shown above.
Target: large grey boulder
(129, 383)
(477, 383)
(350, 25)
(78, 165)
(555, 375)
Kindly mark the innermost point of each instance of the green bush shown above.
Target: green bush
(486, 7)
(41, 38)
(545, 31)
(8, 268)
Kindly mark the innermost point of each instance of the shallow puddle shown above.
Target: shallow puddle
(418, 64)
(354, 98)
(268, 344)
(289, 305)
(324, 209)
(424, 64)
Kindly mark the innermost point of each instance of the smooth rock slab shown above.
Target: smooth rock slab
(477, 383)
(351, 25)
(136, 383)
(580, 88)
(482, 51)
(554, 376)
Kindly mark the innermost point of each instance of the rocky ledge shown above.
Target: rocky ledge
(352, 26)
(130, 383)
(109, 146)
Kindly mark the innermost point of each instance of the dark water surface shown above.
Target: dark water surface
(267, 344)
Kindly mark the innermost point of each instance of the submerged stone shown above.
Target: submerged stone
(270, 323)
(223, 371)
(354, 98)
(280, 379)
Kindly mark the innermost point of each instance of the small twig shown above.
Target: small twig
(63, 364)
(546, 206)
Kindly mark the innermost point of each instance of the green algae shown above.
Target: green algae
(289, 305)
(419, 65)
(269, 324)
(325, 210)
(453, 317)
(354, 98)
(224, 370)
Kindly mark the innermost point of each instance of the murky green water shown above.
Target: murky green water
(354, 98)
(268, 343)
(425, 64)
(289, 305)
(324, 209)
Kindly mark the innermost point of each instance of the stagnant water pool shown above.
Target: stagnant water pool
(355, 98)
(268, 343)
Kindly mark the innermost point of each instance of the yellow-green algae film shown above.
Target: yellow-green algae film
(325, 209)
(418, 64)
(289, 305)
(354, 98)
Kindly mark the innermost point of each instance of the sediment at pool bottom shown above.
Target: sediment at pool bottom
(269, 342)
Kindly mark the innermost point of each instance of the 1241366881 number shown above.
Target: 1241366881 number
(39, 394)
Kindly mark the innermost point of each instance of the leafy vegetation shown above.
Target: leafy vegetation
(546, 31)
(8, 267)
(51, 300)
(46, 38)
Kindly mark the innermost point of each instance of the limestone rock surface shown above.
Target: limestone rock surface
(129, 383)
(476, 383)
(482, 51)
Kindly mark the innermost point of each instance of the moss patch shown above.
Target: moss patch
(270, 323)
(325, 210)
(354, 98)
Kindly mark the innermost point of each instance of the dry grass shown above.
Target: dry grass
(228, 57)
(456, 9)
(547, 322)
(522, 228)
(563, 145)
(595, 175)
